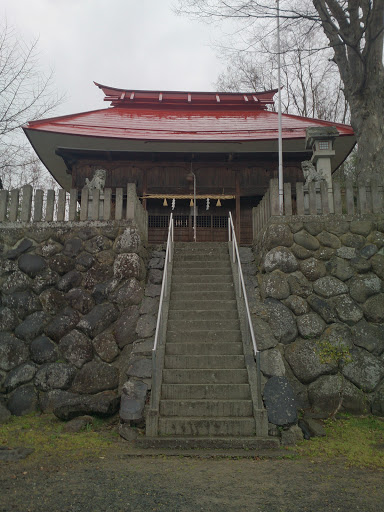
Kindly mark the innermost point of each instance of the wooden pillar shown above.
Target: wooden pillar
(238, 224)
(144, 171)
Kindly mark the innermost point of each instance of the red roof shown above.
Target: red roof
(183, 116)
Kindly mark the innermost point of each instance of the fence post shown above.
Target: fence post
(95, 204)
(350, 199)
(119, 204)
(362, 195)
(312, 198)
(38, 207)
(50, 205)
(131, 201)
(84, 204)
(72, 204)
(14, 206)
(300, 198)
(61, 205)
(324, 198)
(338, 205)
(26, 204)
(107, 203)
(287, 199)
(3, 204)
(274, 196)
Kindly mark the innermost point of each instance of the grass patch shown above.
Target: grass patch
(45, 434)
(358, 440)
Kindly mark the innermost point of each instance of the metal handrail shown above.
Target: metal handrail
(163, 295)
(243, 294)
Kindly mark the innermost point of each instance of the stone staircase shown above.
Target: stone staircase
(206, 399)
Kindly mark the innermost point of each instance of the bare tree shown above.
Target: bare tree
(353, 29)
(26, 94)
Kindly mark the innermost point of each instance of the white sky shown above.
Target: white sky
(138, 44)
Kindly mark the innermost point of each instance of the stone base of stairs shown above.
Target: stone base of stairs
(208, 443)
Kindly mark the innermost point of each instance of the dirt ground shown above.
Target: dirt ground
(120, 482)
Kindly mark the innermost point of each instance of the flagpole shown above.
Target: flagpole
(281, 192)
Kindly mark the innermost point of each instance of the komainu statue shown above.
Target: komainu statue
(98, 180)
(310, 172)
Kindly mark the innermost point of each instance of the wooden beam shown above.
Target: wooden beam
(238, 224)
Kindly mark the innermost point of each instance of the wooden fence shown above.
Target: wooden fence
(26, 205)
(315, 199)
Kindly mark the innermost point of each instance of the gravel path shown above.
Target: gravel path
(121, 483)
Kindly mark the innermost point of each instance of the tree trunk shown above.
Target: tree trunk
(367, 119)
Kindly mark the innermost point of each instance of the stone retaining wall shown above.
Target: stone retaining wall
(320, 285)
(72, 308)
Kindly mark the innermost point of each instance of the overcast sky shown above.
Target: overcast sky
(138, 44)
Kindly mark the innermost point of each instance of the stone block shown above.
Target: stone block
(271, 363)
(102, 404)
(54, 376)
(22, 247)
(313, 269)
(277, 235)
(146, 326)
(297, 305)
(20, 375)
(13, 351)
(80, 300)
(306, 240)
(76, 348)
(369, 336)
(280, 258)
(275, 285)
(310, 325)
(98, 319)
(303, 358)
(31, 264)
(329, 240)
(130, 293)
(62, 324)
(43, 350)
(95, 377)
(32, 326)
(324, 395)
(323, 308)
(70, 280)
(23, 401)
(124, 329)
(374, 308)
(339, 268)
(299, 285)
(280, 401)
(97, 244)
(106, 347)
(128, 265)
(365, 370)
(347, 310)
(329, 286)
(281, 321)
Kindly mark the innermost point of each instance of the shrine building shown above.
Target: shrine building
(218, 148)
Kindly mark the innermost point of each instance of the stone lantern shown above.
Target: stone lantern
(321, 141)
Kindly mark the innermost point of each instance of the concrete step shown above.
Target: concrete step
(205, 376)
(202, 295)
(201, 287)
(206, 335)
(198, 256)
(206, 408)
(205, 392)
(201, 264)
(202, 305)
(207, 271)
(226, 444)
(199, 325)
(215, 314)
(192, 426)
(176, 279)
(201, 246)
(204, 361)
(204, 349)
